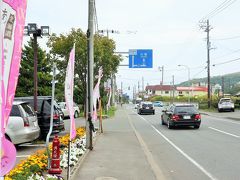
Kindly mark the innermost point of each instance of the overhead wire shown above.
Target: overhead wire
(226, 62)
(219, 9)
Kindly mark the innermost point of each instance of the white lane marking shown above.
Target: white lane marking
(233, 135)
(22, 156)
(182, 152)
(155, 168)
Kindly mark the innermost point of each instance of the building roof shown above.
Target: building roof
(170, 88)
(198, 88)
(159, 87)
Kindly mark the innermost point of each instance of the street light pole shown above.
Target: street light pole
(189, 83)
(32, 28)
(35, 70)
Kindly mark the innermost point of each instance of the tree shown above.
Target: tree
(103, 56)
(25, 85)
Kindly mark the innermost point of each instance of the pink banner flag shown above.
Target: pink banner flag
(96, 94)
(12, 22)
(69, 84)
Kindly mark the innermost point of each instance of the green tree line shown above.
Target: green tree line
(60, 47)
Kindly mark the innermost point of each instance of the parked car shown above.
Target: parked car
(44, 114)
(181, 115)
(63, 106)
(22, 124)
(157, 104)
(146, 108)
(225, 104)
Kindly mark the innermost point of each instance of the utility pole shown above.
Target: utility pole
(205, 25)
(208, 64)
(121, 92)
(113, 77)
(142, 84)
(222, 86)
(173, 88)
(89, 124)
(161, 69)
(138, 87)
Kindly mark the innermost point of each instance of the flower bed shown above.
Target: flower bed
(35, 165)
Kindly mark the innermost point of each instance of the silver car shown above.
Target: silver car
(22, 126)
(63, 106)
(225, 104)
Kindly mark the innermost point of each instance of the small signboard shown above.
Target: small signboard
(140, 58)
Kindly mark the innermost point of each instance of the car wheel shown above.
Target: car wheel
(196, 127)
(140, 112)
(233, 110)
(169, 125)
(219, 110)
(153, 112)
(75, 114)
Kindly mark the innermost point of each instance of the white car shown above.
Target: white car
(225, 104)
(22, 126)
(63, 106)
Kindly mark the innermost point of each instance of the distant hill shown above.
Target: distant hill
(231, 82)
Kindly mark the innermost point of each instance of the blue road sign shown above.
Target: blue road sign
(140, 58)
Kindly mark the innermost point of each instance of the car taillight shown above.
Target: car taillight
(197, 116)
(175, 117)
(26, 122)
(55, 116)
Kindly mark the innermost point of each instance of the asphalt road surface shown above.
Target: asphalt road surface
(210, 152)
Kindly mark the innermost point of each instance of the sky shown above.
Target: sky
(169, 27)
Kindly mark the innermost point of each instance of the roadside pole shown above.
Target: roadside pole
(51, 120)
(100, 116)
(90, 37)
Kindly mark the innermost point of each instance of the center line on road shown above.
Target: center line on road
(181, 151)
(233, 135)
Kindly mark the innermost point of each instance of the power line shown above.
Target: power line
(219, 9)
(226, 62)
(223, 39)
(233, 52)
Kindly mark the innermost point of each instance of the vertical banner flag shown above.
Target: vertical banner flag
(69, 83)
(12, 22)
(96, 93)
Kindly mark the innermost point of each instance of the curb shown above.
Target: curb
(231, 118)
(75, 169)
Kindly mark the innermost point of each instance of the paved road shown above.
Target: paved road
(211, 152)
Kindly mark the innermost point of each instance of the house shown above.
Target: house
(168, 90)
(194, 91)
(160, 90)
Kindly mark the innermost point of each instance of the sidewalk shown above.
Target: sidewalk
(117, 154)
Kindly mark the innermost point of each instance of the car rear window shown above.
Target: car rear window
(15, 111)
(147, 105)
(185, 109)
(28, 109)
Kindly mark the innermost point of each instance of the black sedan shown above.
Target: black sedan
(181, 115)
